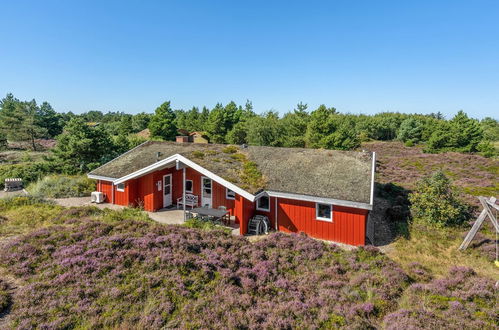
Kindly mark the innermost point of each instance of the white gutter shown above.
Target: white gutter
(324, 200)
(373, 171)
(99, 177)
(147, 169)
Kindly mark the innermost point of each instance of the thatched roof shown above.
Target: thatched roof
(344, 175)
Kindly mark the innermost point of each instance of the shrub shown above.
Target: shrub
(435, 202)
(230, 149)
(198, 154)
(61, 186)
(29, 172)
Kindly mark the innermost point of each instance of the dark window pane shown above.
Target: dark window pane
(263, 203)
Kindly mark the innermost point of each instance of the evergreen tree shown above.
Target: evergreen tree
(265, 130)
(295, 124)
(49, 120)
(216, 124)
(125, 125)
(410, 130)
(162, 123)
(319, 126)
(81, 148)
(140, 122)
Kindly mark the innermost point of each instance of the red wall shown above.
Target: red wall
(144, 191)
(106, 187)
(348, 226)
(243, 211)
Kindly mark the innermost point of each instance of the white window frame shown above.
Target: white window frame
(120, 189)
(322, 218)
(192, 186)
(227, 194)
(258, 208)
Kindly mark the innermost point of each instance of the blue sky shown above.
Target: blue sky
(358, 56)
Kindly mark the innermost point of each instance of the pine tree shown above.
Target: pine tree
(162, 123)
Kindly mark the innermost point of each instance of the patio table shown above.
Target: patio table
(207, 211)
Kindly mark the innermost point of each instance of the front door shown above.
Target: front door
(206, 192)
(167, 190)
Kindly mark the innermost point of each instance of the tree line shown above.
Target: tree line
(91, 138)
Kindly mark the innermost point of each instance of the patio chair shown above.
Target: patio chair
(226, 218)
(190, 200)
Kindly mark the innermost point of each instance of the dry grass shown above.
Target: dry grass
(437, 249)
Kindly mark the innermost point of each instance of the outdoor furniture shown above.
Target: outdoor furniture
(205, 212)
(13, 184)
(190, 200)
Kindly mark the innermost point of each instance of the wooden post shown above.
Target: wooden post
(478, 223)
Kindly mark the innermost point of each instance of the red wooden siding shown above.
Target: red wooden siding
(106, 187)
(348, 226)
(270, 214)
(244, 210)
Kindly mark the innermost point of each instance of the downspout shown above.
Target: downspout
(112, 187)
(276, 223)
(183, 191)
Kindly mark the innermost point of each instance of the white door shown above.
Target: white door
(167, 190)
(206, 192)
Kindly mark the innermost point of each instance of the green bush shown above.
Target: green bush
(60, 186)
(197, 223)
(29, 172)
(435, 202)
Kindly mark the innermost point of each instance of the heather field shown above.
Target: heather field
(89, 268)
(404, 166)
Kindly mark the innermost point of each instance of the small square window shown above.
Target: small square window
(263, 204)
(188, 186)
(229, 194)
(120, 187)
(324, 212)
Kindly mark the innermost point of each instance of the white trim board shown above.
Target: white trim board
(102, 178)
(194, 166)
(373, 171)
(324, 200)
(147, 169)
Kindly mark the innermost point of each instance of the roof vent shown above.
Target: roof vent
(158, 154)
(244, 146)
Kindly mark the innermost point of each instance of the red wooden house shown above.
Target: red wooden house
(326, 194)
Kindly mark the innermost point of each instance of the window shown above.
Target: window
(324, 212)
(188, 186)
(120, 187)
(229, 194)
(263, 204)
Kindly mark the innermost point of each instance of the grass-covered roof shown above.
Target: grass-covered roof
(344, 175)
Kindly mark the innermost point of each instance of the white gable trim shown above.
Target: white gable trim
(324, 200)
(191, 164)
(216, 178)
